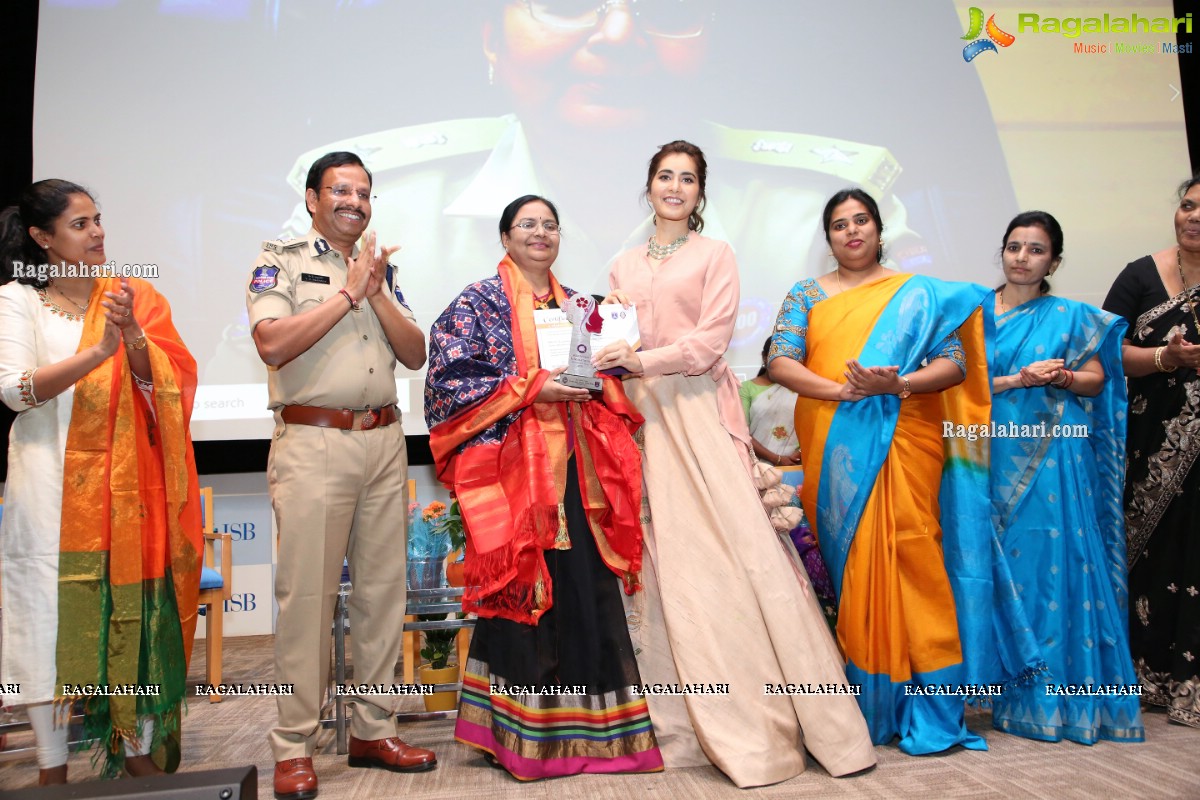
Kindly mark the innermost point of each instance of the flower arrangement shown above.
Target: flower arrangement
(450, 522)
(434, 532)
(428, 537)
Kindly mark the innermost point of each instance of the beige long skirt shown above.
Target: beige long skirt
(725, 606)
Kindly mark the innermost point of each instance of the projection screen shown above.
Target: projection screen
(194, 122)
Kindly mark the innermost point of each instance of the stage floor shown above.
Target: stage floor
(233, 733)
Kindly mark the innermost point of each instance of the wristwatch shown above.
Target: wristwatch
(907, 391)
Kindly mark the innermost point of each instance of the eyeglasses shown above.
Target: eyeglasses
(549, 226)
(669, 19)
(342, 192)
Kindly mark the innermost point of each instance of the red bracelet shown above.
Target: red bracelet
(349, 299)
(1068, 378)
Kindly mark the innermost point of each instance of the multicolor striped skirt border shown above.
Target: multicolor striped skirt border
(536, 734)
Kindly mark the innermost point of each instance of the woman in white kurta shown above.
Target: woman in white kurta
(724, 601)
(56, 333)
(770, 411)
(33, 492)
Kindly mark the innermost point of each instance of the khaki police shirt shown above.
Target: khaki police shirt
(351, 366)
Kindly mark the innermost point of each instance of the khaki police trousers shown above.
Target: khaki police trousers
(337, 494)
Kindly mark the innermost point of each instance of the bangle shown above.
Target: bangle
(137, 344)
(1158, 364)
(349, 299)
(778, 459)
(1068, 377)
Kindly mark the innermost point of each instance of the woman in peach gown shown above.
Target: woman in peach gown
(725, 601)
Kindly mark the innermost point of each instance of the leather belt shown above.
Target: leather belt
(346, 419)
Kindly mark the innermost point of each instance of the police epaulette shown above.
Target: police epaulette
(412, 146)
(867, 165)
(279, 245)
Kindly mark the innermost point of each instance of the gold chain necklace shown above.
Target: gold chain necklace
(67, 297)
(1190, 304)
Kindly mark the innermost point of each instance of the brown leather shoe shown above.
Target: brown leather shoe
(295, 779)
(390, 753)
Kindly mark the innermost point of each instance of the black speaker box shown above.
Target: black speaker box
(235, 783)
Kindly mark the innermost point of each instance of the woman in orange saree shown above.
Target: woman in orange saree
(101, 535)
(889, 366)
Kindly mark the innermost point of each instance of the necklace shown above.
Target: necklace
(1003, 305)
(542, 301)
(67, 297)
(661, 251)
(1190, 304)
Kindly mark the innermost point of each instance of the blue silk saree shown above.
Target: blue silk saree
(1057, 505)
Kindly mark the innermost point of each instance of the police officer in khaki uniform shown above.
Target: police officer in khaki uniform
(330, 328)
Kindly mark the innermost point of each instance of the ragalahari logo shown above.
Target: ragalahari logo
(994, 35)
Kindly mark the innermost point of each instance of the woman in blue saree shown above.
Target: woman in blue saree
(1057, 481)
(883, 363)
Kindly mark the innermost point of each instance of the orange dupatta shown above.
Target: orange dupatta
(130, 544)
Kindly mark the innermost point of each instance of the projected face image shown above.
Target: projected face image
(595, 66)
(581, 94)
(341, 208)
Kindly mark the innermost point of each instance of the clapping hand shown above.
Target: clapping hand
(110, 339)
(118, 308)
(867, 381)
(365, 273)
(1040, 373)
(1181, 354)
